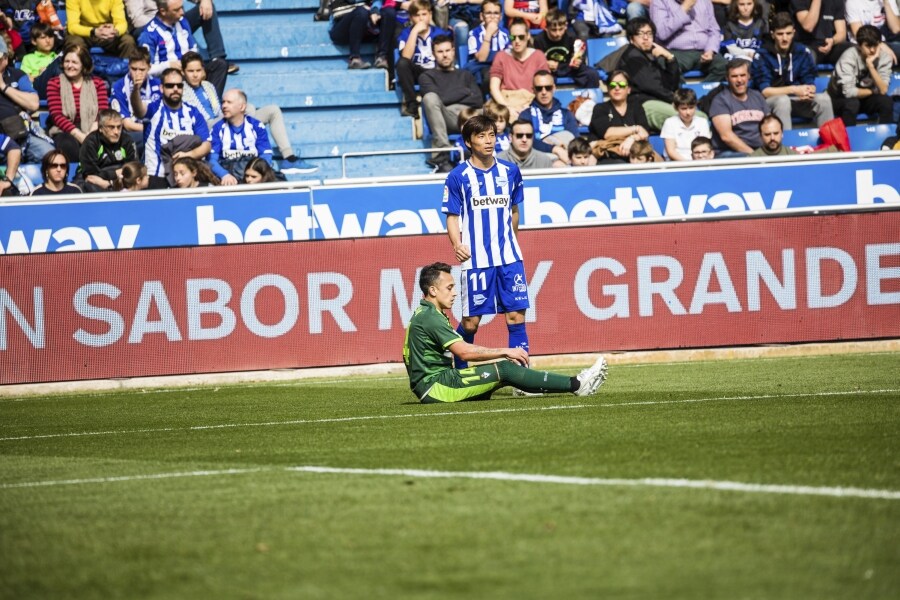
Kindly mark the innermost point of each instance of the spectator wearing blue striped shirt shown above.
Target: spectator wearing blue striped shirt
(237, 139)
(168, 37)
(167, 119)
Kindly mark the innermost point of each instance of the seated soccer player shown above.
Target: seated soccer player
(431, 339)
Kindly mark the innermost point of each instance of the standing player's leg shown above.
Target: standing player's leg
(512, 299)
(477, 292)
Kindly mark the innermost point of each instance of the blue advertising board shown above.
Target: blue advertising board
(413, 207)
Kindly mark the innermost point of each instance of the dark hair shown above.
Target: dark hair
(262, 167)
(770, 117)
(87, 63)
(579, 145)
(132, 173)
(165, 74)
(190, 57)
(780, 20)
(522, 122)
(684, 97)
(641, 148)
(41, 29)
(701, 141)
(736, 63)
(465, 114)
(868, 35)
(733, 10)
(431, 274)
(418, 5)
(475, 125)
(140, 54)
(521, 22)
(636, 24)
(542, 73)
(619, 72)
(202, 172)
(554, 15)
(48, 160)
(442, 39)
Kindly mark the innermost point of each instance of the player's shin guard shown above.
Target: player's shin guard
(518, 337)
(534, 381)
(468, 338)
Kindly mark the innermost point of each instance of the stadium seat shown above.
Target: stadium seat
(702, 88)
(869, 137)
(600, 48)
(658, 144)
(801, 137)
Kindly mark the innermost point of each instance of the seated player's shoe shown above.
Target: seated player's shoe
(299, 167)
(523, 393)
(592, 378)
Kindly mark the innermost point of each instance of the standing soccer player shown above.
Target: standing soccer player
(481, 201)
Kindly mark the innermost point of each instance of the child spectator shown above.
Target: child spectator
(416, 56)
(679, 131)
(485, 41)
(744, 29)
(42, 37)
(580, 153)
(532, 12)
(465, 114)
(22, 15)
(641, 152)
(861, 79)
(592, 18)
(134, 177)
(191, 173)
(358, 26)
(702, 149)
(259, 171)
(565, 52)
(499, 114)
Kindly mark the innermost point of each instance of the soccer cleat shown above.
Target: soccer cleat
(592, 378)
(523, 393)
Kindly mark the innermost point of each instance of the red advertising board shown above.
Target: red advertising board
(131, 313)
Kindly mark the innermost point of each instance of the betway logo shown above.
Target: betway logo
(638, 202)
(69, 239)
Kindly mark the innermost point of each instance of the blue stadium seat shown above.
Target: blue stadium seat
(599, 48)
(658, 144)
(801, 137)
(702, 88)
(869, 137)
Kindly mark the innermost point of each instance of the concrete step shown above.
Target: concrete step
(271, 35)
(336, 149)
(331, 126)
(292, 91)
(330, 168)
(228, 6)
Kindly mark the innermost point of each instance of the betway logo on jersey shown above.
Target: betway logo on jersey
(483, 202)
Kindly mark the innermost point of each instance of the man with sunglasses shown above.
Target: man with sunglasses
(169, 120)
(554, 125)
(522, 152)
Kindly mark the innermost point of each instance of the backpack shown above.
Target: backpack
(705, 103)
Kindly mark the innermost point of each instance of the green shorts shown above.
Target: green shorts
(456, 385)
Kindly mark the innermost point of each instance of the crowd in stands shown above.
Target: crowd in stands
(125, 82)
(129, 98)
(766, 55)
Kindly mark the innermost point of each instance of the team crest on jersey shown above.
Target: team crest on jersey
(485, 375)
(478, 299)
(519, 283)
(446, 194)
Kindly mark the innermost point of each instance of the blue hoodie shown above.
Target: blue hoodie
(770, 69)
(548, 121)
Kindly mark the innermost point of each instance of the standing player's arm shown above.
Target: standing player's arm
(514, 213)
(470, 352)
(463, 253)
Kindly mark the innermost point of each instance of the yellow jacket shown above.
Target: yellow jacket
(84, 15)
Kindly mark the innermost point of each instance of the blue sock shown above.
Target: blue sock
(467, 337)
(518, 337)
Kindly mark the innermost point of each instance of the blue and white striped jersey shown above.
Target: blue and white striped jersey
(484, 200)
(499, 42)
(162, 124)
(120, 95)
(230, 142)
(166, 43)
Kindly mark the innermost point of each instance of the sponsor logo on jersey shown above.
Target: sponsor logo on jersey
(482, 202)
(478, 299)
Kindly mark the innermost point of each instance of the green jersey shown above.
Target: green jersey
(425, 349)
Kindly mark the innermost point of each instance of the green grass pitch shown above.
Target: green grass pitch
(193, 493)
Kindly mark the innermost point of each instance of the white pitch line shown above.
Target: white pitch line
(454, 413)
(30, 484)
(702, 484)
(730, 486)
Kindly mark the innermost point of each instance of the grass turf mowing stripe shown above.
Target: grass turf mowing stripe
(443, 414)
(727, 486)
